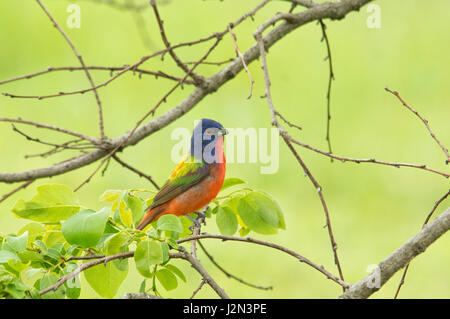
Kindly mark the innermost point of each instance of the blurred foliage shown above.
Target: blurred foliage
(374, 209)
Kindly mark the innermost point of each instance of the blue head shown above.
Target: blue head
(204, 139)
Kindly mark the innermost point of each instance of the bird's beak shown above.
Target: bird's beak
(223, 132)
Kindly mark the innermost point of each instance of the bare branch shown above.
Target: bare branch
(93, 140)
(365, 160)
(205, 275)
(198, 80)
(239, 54)
(198, 288)
(445, 150)
(135, 170)
(226, 273)
(111, 69)
(330, 81)
(16, 190)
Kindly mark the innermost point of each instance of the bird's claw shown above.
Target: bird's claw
(201, 215)
(195, 222)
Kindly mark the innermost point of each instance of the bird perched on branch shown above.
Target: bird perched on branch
(196, 180)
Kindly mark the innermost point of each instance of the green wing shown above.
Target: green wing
(187, 174)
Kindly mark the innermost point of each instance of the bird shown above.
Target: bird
(196, 180)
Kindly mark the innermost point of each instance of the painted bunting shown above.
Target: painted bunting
(198, 177)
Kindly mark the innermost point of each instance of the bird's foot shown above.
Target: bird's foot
(201, 217)
(195, 222)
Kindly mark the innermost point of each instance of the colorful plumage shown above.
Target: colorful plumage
(198, 177)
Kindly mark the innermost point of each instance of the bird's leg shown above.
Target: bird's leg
(195, 222)
(201, 217)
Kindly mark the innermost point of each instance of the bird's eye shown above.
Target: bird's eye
(210, 131)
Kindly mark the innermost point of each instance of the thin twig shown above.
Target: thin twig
(364, 160)
(330, 80)
(135, 170)
(92, 67)
(91, 139)
(80, 58)
(16, 190)
(202, 283)
(202, 271)
(239, 54)
(444, 149)
(402, 280)
(198, 80)
(37, 140)
(286, 121)
(212, 63)
(226, 273)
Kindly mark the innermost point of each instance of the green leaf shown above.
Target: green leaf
(115, 245)
(125, 214)
(34, 230)
(31, 275)
(244, 231)
(86, 227)
(259, 213)
(110, 195)
(52, 204)
(16, 244)
(229, 182)
(137, 208)
(176, 271)
(30, 255)
(41, 246)
(167, 279)
(48, 280)
(169, 222)
(142, 286)
(165, 252)
(226, 221)
(147, 253)
(6, 255)
(53, 254)
(186, 223)
(105, 279)
(53, 237)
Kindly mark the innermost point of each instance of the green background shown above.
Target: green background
(374, 209)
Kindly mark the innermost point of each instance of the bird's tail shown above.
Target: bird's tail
(149, 217)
